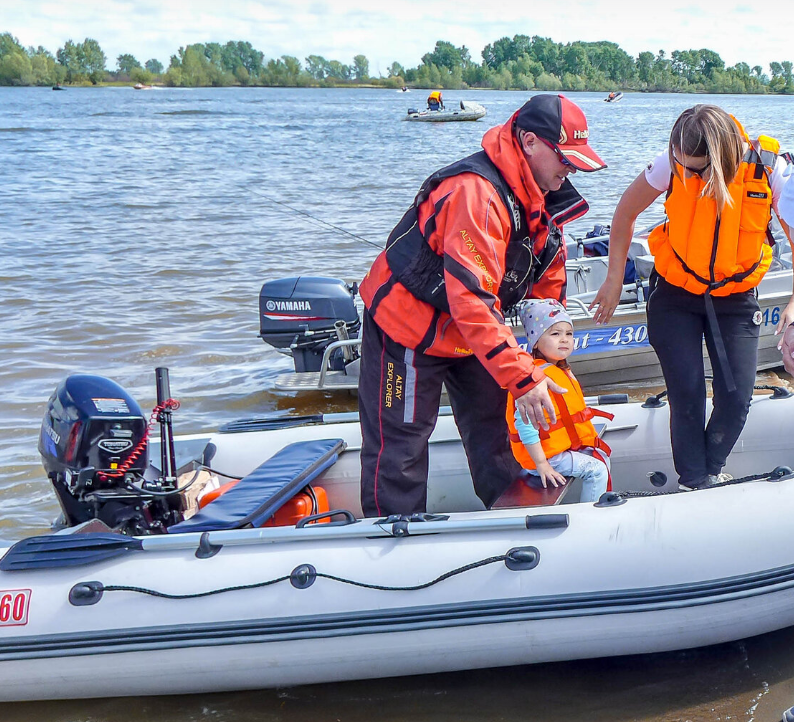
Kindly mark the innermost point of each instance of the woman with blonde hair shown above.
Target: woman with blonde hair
(709, 255)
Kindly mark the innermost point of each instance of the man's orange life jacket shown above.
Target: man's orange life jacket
(699, 249)
(573, 430)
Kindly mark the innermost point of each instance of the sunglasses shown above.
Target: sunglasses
(699, 172)
(559, 153)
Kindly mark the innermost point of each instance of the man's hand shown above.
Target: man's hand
(537, 400)
(787, 348)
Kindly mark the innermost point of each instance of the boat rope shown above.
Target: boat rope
(317, 220)
(313, 573)
(778, 473)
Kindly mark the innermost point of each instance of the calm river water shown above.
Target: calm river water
(136, 229)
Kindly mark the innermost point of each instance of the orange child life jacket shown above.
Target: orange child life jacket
(573, 430)
(699, 249)
(435, 95)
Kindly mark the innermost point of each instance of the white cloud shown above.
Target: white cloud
(401, 30)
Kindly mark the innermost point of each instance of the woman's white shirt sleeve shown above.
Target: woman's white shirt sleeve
(785, 205)
(658, 172)
(778, 181)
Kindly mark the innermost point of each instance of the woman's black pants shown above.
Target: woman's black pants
(677, 325)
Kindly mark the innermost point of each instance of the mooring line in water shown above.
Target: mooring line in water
(317, 220)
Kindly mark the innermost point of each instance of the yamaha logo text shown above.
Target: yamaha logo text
(288, 306)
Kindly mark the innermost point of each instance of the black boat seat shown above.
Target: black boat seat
(266, 489)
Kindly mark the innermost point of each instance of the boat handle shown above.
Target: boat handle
(548, 521)
(349, 519)
(327, 356)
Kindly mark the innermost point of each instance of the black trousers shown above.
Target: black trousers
(677, 324)
(399, 392)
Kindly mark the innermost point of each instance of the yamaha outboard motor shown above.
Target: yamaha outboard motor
(302, 316)
(94, 450)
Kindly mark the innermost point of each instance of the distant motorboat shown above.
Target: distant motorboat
(58, 87)
(141, 86)
(466, 111)
(613, 97)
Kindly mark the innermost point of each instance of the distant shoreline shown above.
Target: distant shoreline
(370, 86)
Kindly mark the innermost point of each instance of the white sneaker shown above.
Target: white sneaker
(713, 480)
(720, 478)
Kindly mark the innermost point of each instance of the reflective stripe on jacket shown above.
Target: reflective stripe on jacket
(699, 249)
(573, 430)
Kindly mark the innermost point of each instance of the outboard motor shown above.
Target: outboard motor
(93, 448)
(302, 316)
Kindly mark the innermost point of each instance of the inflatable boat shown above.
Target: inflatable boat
(226, 600)
(465, 111)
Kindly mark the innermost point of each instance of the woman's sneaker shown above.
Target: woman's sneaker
(711, 480)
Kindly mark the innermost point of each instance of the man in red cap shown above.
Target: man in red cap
(481, 235)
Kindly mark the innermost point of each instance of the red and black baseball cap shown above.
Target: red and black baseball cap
(561, 122)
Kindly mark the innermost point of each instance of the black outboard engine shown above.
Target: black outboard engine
(92, 446)
(304, 315)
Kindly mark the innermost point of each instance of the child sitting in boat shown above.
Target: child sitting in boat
(571, 446)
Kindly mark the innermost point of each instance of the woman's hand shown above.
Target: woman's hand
(547, 474)
(606, 301)
(786, 347)
(635, 199)
(786, 318)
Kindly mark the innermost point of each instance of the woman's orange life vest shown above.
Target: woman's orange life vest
(573, 430)
(699, 249)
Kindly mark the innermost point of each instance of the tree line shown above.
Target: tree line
(518, 63)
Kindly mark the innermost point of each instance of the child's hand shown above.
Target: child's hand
(548, 474)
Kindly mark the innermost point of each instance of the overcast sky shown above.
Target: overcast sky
(403, 30)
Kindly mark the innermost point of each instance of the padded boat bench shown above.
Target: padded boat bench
(266, 489)
(520, 494)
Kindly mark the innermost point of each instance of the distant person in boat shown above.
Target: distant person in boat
(571, 446)
(709, 256)
(435, 101)
(436, 300)
(786, 208)
(612, 95)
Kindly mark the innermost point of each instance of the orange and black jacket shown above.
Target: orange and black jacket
(701, 249)
(473, 260)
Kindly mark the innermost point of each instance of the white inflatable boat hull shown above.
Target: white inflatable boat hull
(651, 574)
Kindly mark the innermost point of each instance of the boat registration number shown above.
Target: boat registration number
(14, 606)
(603, 339)
(771, 315)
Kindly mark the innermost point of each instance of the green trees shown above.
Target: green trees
(34, 66)
(522, 62)
(83, 61)
(154, 66)
(360, 69)
(126, 63)
(446, 55)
